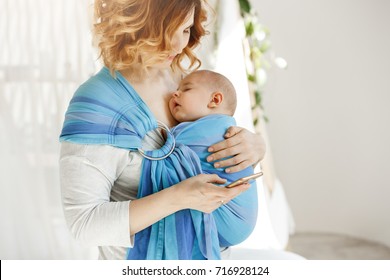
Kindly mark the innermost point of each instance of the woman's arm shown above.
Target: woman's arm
(242, 146)
(87, 174)
(198, 193)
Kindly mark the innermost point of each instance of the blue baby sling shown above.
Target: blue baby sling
(107, 110)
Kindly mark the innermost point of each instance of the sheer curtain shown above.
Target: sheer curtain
(45, 54)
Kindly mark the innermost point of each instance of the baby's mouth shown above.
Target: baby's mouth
(175, 104)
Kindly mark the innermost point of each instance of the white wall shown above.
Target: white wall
(329, 112)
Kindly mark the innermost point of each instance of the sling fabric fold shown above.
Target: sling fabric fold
(107, 110)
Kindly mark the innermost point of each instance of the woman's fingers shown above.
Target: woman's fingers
(213, 178)
(202, 193)
(225, 195)
(237, 167)
(233, 130)
(221, 146)
(227, 151)
(241, 149)
(231, 193)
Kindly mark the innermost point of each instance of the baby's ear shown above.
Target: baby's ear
(216, 99)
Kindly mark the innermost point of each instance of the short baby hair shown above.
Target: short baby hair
(217, 82)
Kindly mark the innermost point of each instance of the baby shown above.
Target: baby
(203, 93)
(204, 105)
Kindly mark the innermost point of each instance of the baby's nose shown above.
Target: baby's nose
(176, 93)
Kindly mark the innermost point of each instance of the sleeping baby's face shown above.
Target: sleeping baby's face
(191, 100)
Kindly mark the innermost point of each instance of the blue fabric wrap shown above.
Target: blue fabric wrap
(236, 219)
(107, 110)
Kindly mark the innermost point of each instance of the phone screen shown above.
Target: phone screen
(244, 180)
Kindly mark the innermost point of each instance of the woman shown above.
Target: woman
(142, 43)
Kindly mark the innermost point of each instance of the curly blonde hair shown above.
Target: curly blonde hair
(136, 34)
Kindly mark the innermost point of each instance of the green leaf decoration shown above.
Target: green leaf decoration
(257, 40)
(245, 6)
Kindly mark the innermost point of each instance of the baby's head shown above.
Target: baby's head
(203, 93)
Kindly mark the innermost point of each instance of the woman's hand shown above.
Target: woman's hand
(242, 146)
(201, 193)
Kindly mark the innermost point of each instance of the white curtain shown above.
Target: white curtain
(45, 54)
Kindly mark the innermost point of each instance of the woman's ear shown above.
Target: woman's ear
(216, 99)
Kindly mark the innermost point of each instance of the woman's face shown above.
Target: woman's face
(179, 40)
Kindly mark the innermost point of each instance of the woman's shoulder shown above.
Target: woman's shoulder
(99, 82)
(103, 88)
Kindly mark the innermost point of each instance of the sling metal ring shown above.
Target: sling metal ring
(169, 136)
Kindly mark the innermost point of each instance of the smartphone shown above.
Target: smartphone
(244, 180)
